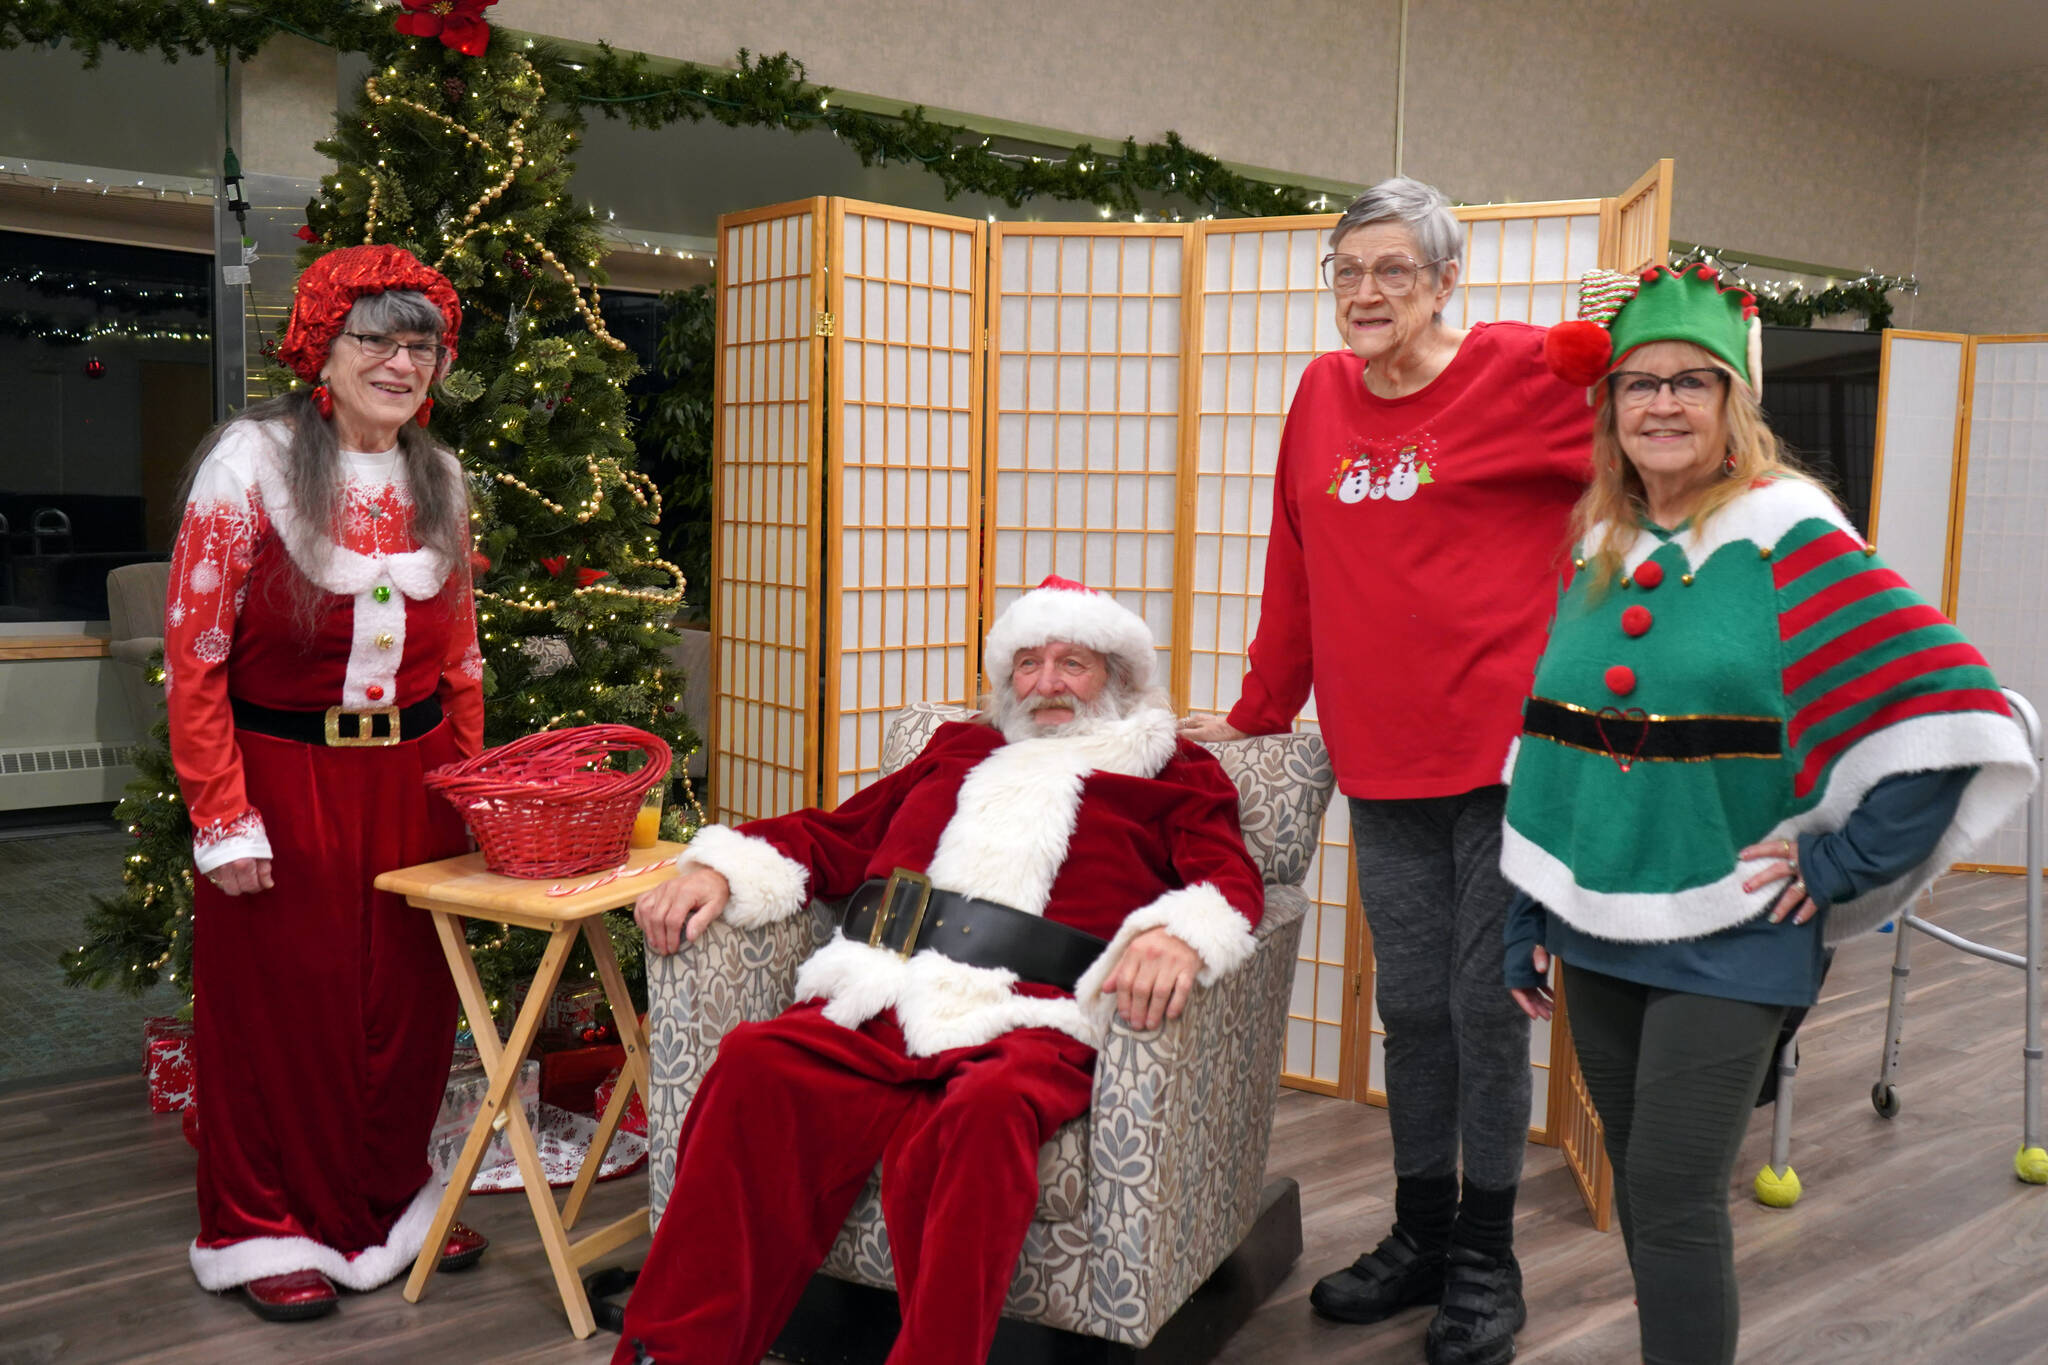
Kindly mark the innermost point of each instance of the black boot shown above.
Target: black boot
(1396, 1274)
(1482, 1310)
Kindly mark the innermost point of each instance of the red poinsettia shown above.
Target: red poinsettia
(457, 23)
(554, 564)
(586, 576)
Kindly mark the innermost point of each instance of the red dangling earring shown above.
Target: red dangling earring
(323, 401)
(1728, 464)
(426, 411)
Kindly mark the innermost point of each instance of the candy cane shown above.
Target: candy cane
(559, 890)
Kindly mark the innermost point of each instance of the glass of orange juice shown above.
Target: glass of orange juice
(647, 820)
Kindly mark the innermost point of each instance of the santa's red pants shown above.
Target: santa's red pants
(779, 1142)
(323, 1014)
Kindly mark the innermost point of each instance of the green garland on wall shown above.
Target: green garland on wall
(1784, 304)
(762, 91)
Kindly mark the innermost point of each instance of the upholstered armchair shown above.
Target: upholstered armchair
(1145, 1196)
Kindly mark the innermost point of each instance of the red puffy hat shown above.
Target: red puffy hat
(331, 286)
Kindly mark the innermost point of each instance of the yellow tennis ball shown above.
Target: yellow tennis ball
(2031, 1165)
(1776, 1191)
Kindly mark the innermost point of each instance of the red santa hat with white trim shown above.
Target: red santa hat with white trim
(1075, 614)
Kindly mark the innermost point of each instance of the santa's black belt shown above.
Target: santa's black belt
(1631, 735)
(341, 727)
(907, 913)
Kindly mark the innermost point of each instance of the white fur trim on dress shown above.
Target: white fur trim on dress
(939, 1003)
(226, 1267)
(1198, 916)
(1016, 811)
(1093, 620)
(1761, 516)
(1992, 744)
(767, 886)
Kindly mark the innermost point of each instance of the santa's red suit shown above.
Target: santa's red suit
(951, 1076)
(323, 1009)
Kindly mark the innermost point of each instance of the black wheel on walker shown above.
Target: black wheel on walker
(1884, 1100)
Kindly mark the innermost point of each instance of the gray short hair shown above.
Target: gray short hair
(1422, 209)
(395, 311)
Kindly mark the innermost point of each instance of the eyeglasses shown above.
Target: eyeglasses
(1395, 275)
(425, 354)
(1639, 388)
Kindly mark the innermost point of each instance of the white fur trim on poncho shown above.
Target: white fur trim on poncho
(253, 1258)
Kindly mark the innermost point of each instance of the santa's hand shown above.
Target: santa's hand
(681, 908)
(243, 876)
(1209, 729)
(1153, 979)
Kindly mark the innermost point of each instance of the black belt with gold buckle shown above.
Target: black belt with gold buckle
(341, 727)
(906, 914)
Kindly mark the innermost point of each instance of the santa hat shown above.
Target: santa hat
(330, 287)
(1618, 313)
(1072, 613)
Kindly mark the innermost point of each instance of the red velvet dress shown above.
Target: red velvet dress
(323, 1009)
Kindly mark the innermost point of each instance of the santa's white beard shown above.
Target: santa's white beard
(1018, 717)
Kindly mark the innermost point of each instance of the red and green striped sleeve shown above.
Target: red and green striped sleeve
(1862, 651)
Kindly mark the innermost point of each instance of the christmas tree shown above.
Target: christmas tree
(455, 152)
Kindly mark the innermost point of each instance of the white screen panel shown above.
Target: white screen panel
(1086, 424)
(1916, 462)
(901, 572)
(764, 707)
(2002, 570)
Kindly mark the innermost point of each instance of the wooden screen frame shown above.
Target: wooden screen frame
(833, 467)
(815, 207)
(1959, 455)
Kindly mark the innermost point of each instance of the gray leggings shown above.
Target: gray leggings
(1675, 1078)
(1457, 1071)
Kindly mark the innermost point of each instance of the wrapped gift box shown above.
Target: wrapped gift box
(569, 1079)
(459, 1105)
(635, 1118)
(168, 1062)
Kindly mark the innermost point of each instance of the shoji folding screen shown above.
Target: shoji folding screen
(987, 405)
(1962, 504)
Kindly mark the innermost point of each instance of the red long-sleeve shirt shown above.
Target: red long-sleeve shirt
(1411, 570)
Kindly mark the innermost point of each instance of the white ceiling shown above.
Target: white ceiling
(1938, 41)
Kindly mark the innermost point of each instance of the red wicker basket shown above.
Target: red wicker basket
(551, 804)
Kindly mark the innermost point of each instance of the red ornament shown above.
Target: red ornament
(1578, 351)
(95, 368)
(1636, 620)
(554, 564)
(375, 692)
(1649, 574)
(1621, 680)
(479, 562)
(457, 23)
(306, 233)
(586, 576)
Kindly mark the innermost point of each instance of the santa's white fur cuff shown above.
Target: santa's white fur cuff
(766, 886)
(1198, 916)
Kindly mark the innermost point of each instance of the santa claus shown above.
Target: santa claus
(1064, 856)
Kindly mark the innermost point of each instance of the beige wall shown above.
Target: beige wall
(1984, 212)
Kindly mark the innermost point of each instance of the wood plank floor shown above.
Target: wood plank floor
(1914, 1244)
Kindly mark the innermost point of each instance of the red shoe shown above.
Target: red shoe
(291, 1298)
(464, 1248)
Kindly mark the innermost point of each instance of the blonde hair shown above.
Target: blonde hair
(1616, 496)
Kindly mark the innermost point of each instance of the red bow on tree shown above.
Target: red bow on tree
(586, 576)
(457, 23)
(306, 233)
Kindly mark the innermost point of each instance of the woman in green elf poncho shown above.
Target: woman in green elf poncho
(1747, 738)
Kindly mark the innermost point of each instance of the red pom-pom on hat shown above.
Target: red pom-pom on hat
(1578, 351)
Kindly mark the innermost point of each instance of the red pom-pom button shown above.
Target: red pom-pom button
(1621, 680)
(374, 692)
(1636, 620)
(1648, 574)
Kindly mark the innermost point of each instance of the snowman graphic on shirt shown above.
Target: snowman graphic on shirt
(1384, 471)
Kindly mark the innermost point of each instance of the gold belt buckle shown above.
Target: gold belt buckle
(885, 913)
(366, 735)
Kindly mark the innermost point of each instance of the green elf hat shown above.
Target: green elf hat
(1618, 313)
